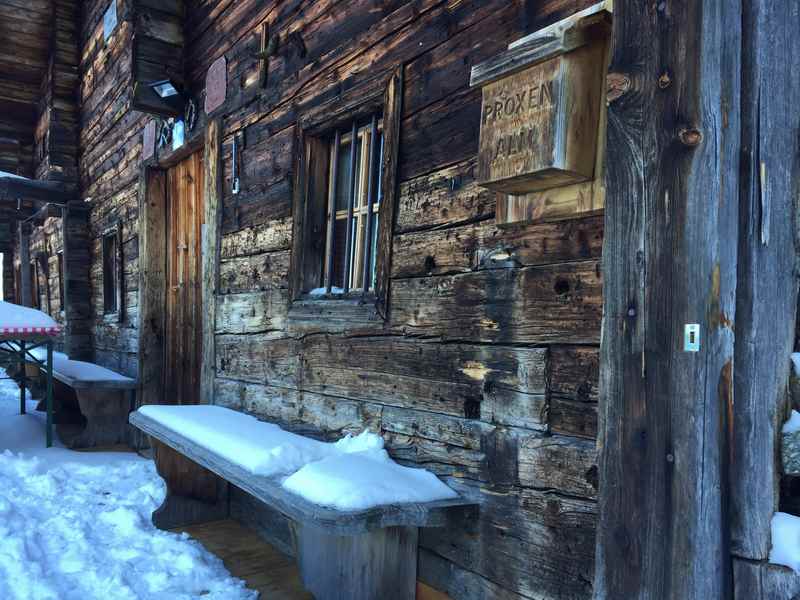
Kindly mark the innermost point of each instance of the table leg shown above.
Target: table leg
(22, 375)
(49, 394)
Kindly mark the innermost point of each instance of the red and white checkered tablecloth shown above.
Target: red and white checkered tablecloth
(30, 330)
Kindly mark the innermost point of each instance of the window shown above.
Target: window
(60, 256)
(345, 192)
(35, 289)
(353, 209)
(110, 283)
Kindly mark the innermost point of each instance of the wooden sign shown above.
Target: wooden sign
(539, 125)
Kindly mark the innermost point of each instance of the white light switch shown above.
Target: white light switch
(691, 337)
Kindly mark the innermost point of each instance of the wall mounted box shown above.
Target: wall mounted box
(543, 120)
(539, 125)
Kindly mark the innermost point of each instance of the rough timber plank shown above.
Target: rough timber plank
(766, 303)
(152, 286)
(669, 259)
(210, 256)
(560, 303)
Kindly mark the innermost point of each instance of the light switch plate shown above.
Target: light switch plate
(691, 337)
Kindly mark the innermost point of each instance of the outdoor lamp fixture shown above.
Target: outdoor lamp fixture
(170, 93)
(165, 88)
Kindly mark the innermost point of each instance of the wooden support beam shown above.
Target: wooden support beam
(766, 292)
(152, 284)
(669, 259)
(45, 212)
(44, 191)
(210, 251)
(25, 264)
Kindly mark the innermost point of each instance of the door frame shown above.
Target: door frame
(153, 264)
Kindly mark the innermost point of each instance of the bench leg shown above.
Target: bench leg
(194, 494)
(106, 414)
(378, 564)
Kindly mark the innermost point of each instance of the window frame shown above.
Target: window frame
(381, 95)
(61, 295)
(117, 271)
(36, 290)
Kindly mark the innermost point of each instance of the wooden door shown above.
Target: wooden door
(183, 351)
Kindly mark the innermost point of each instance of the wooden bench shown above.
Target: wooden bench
(92, 404)
(342, 555)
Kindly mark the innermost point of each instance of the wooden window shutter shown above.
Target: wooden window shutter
(158, 54)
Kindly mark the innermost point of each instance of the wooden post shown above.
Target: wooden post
(210, 250)
(669, 259)
(152, 284)
(66, 276)
(25, 265)
(766, 292)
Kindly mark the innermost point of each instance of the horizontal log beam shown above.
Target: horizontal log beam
(54, 192)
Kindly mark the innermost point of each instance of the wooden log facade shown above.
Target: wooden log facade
(481, 358)
(485, 371)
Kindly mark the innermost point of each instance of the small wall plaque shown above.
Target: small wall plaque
(216, 84)
(149, 140)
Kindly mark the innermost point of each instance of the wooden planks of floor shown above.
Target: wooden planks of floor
(264, 569)
(247, 556)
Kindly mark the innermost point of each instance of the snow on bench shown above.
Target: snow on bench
(78, 374)
(355, 512)
(104, 400)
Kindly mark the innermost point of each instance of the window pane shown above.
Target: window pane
(339, 239)
(373, 255)
(110, 273)
(378, 166)
(343, 175)
(340, 199)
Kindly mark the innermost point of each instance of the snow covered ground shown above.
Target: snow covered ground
(76, 526)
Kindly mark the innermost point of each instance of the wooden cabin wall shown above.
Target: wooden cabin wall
(56, 159)
(486, 372)
(110, 142)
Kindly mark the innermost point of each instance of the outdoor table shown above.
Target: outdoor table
(19, 342)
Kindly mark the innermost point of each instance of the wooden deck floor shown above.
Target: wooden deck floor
(250, 558)
(263, 568)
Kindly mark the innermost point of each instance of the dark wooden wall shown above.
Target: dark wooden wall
(486, 371)
(111, 146)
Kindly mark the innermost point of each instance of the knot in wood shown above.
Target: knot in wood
(690, 136)
(617, 85)
(664, 81)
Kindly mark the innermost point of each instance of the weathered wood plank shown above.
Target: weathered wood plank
(152, 286)
(210, 248)
(560, 303)
(448, 196)
(252, 312)
(492, 557)
(669, 259)
(766, 291)
(259, 272)
(483, 245)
